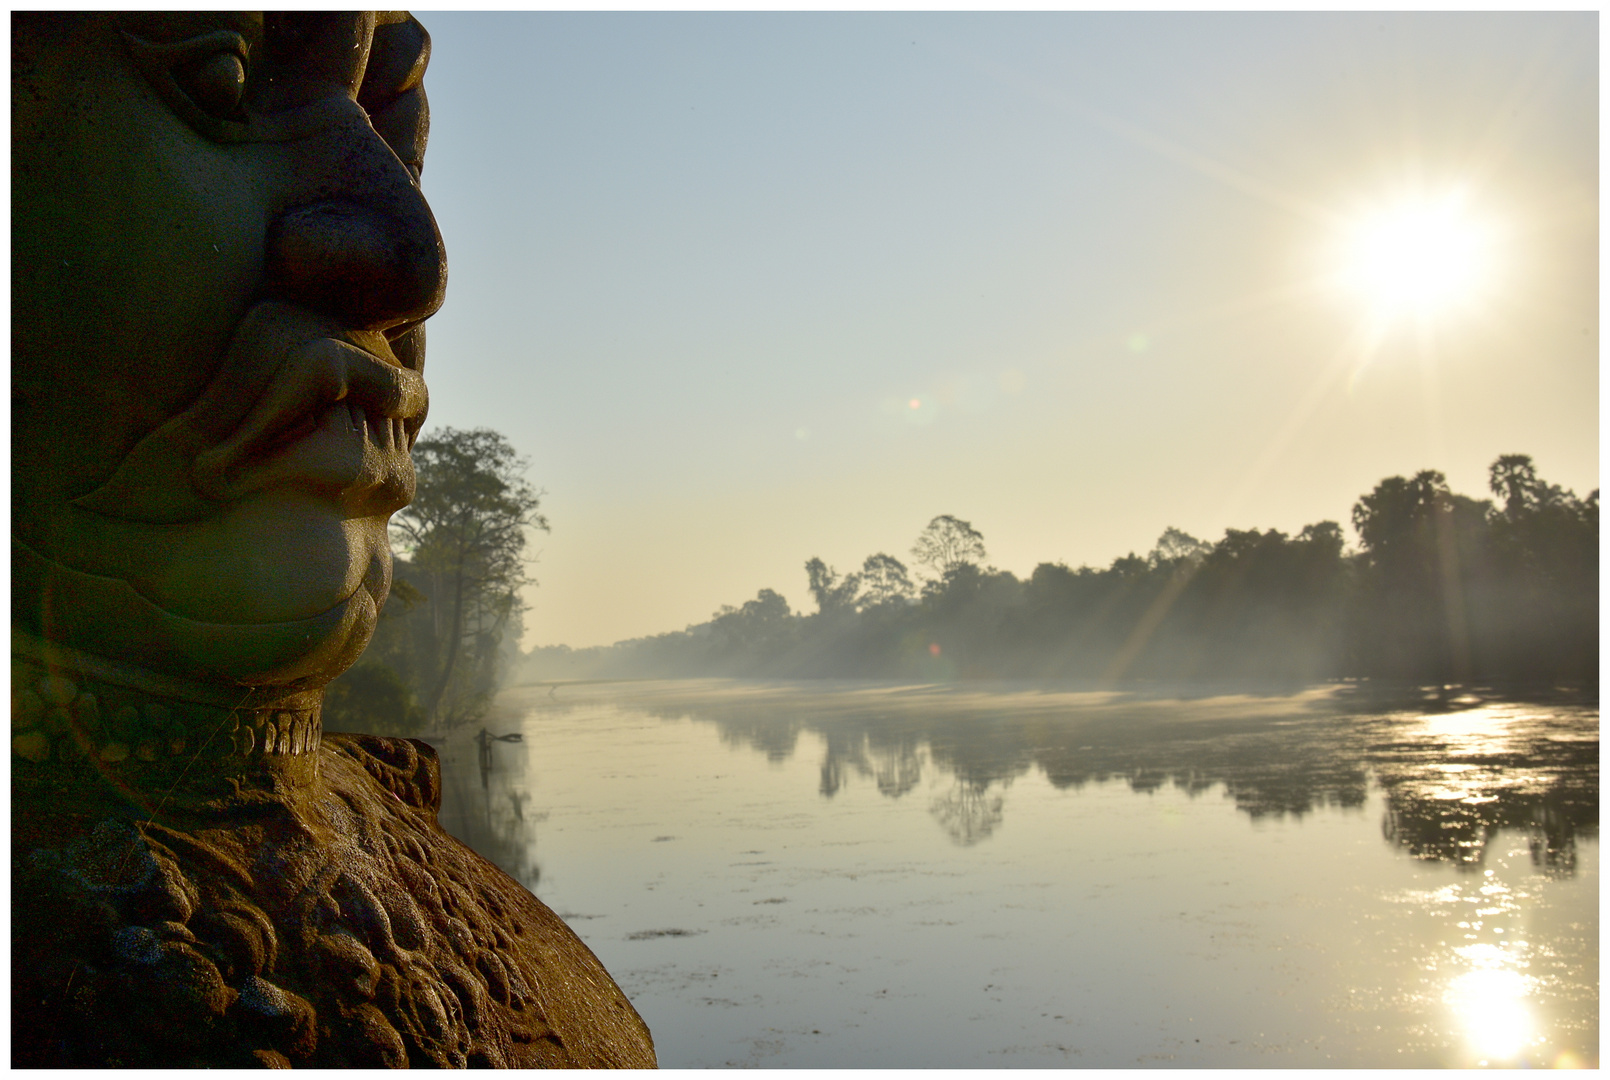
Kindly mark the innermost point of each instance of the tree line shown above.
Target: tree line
(1440, 587)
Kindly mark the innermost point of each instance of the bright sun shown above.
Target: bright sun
(1417, 257)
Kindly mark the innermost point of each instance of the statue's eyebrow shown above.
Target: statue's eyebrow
(164, 27)
(397, 60)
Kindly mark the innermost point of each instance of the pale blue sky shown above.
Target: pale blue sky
(701, 266)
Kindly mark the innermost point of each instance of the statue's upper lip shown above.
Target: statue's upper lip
(338, 418)
(348, 451)
(297, 401)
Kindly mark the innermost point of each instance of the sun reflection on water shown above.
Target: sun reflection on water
(1498, 1003)
(1483, 729)
(1489, 1001)
(1497, 1009)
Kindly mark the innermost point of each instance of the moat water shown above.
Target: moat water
(874, 875)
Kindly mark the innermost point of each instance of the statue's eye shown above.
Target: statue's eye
(216, 83)
(209, 83)
(203, 79)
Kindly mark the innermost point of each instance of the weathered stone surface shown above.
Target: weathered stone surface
(334, 925)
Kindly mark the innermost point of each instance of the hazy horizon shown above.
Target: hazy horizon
(752, 288)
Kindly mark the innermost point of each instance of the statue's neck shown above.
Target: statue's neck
(84, 722)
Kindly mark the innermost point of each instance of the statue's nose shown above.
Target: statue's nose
(372, 262)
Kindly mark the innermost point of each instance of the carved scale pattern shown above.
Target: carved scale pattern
(329, 925)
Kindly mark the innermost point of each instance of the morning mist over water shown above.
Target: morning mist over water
(827, 874)
(1172, 846)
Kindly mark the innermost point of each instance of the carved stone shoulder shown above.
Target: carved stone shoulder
(339, 927)
(407, 768)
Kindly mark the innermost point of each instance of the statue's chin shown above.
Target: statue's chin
(216, 633)
(263, 562)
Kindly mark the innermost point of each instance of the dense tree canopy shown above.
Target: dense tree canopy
(1442, 587)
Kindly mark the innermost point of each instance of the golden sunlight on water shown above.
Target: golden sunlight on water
(1490, 986)
(884, 876)
(1489, 1001)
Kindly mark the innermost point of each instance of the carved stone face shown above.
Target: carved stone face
(220, 263)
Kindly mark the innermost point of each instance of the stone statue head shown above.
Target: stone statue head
(221, 261)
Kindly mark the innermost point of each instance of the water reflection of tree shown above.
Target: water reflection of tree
(1429, 824)
(842, 757)
(968, 812)
(1532, 766)
(485, 789)
(896, 767)
(775, 736)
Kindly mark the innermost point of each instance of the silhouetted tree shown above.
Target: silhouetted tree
(466, 533)
(946, 543)
(1514, 478)
(1543, 600)
(1175, 546)
(753, 637)
(883, 581)
(832, 594)
(1420, 543)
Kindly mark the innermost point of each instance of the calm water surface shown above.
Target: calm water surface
(858, 874)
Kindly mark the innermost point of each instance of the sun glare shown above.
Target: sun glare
(1491, 1004)
(1418, 257)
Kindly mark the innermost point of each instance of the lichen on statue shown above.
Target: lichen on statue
(221, 264)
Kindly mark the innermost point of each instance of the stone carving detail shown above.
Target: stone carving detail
(52, 720)
(341, 929)
(221, 266)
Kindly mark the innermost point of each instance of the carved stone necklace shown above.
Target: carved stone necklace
(155, 735)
